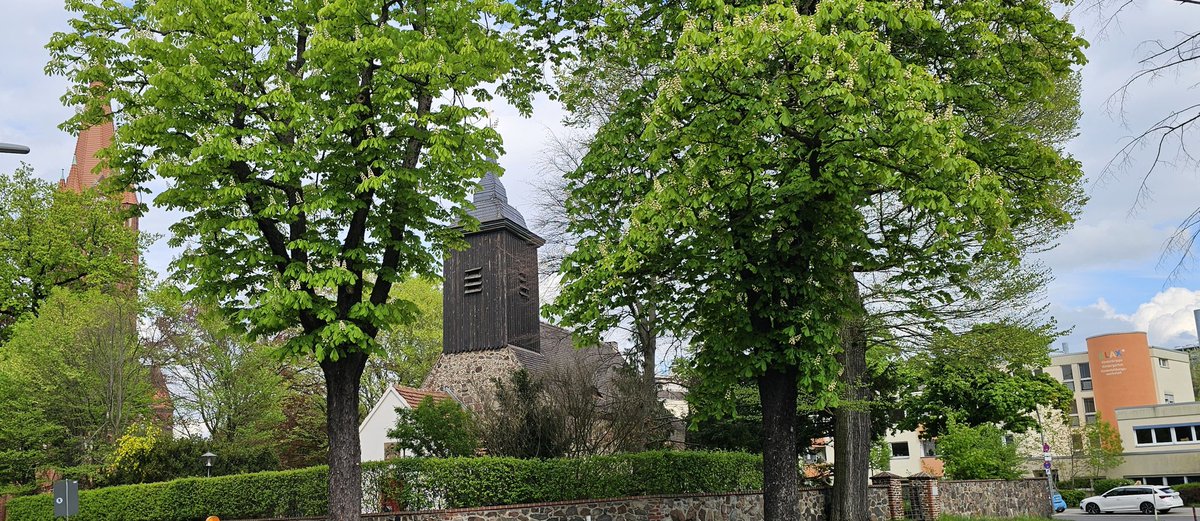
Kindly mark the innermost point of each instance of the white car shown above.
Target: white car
(1136, 498)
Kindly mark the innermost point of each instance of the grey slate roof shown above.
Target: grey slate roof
(558, 351)
(491, 202)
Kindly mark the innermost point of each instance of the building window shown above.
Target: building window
(1074, 421)
(1070, 385)
(900, 449)
(1076, 439)
(1144, 436)
(1089, 419)
(1068, 375)
(1168, 398)
(1184, 433)
(1085, 377)
(929, 448)
(1074, 407)
(1162, 362)
(473, 281)
(1089, 405)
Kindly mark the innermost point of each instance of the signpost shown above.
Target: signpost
(66, 498)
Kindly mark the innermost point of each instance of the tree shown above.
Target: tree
(230, 386)
(988, 375)
(318, 151)
(435, 429)
(407, 351)
(1100, 447)
(82, 366)
(57, 238)
(802, 151)
(978, 452)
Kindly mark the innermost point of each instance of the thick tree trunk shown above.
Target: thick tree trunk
(852, 429)
(345, 454)
(777, 391)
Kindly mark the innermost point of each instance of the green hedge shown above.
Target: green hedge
(417, 484)
(1189, 493)
(1105, 485)
(413, 484)
(1074, 496)
(264, 494)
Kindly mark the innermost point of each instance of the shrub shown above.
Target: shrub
(1074, 496)
(1104, 485)
(247, 496)
(413, 484)
(1189, 493)
(417, 484)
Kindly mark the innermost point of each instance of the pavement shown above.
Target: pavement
(1178, 514)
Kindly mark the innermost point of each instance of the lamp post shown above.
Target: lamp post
(208, 461)
(9, 148)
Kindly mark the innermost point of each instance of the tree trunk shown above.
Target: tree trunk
(852, 429)
(345, 454)
(777, 391)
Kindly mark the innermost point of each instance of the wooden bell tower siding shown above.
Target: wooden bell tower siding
(490, 298)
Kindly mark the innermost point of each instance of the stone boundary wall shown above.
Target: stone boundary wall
(741, 506)
(996, 498)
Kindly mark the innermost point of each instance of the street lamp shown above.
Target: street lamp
(9, 148)
(208, 461)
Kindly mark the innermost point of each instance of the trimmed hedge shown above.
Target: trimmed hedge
(419, 484)
(413, 484)
(289, 493)
(1189, 493)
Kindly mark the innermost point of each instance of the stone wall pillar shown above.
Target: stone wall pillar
(927, 504)
(895, 493)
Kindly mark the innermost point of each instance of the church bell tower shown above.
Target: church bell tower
(490, 289)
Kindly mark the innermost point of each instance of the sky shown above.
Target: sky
(1110, 271)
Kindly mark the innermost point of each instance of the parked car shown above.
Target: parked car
(1136, 498)
(1056, 501)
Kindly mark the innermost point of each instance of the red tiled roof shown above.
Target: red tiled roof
(414, 396)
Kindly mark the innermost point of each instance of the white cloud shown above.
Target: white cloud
(1166, 319)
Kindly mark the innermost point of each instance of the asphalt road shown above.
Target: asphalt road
(1178, 514)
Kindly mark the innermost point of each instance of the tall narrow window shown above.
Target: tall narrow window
(1068, 375)
(473, 281)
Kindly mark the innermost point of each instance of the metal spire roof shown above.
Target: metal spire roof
(491, 203)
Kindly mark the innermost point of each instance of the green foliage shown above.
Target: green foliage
(984, 376)
(222, 381)
(435, 429)
(1189, 493)
(74, 378)
(249, 496)
(58, 239)
(978, 452)
(1101, 486)
(172, 458)
(881, 456)
(471, 482)
(1074, 496)
(1102, 449)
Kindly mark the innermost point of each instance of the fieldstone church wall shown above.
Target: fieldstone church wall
(469, 376)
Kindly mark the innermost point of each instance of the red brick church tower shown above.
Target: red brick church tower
(86, 170)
